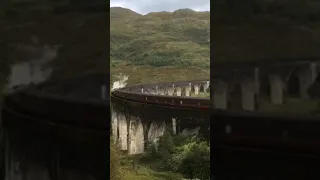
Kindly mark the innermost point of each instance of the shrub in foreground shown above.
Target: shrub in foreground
(183, 154)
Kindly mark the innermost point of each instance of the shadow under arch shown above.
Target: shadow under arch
(293, 84)
(234, 102)
(202, 88)
(265, 87)
(314, 89)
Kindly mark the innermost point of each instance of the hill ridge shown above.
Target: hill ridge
(181, 10)
(178, 38)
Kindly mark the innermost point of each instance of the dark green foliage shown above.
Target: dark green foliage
(196, 164)
(180, 140)
(160, 59)
(183, 154)
(199, 36)
(165, 149)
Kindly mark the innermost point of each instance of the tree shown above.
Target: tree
(197, 162)
(165, 149)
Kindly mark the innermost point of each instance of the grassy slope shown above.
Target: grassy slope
(149, 74)
(137, 39)
(144, 170)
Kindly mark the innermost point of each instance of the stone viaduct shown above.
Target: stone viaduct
(143, 113)
(241, 86)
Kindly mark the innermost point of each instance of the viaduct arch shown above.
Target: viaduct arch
(248, 83)
(141, 114)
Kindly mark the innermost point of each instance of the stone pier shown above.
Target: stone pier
(272, 82)
(135, 125)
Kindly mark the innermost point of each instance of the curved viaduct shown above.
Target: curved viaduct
(56, 130)
(240, 86)
(141, 114)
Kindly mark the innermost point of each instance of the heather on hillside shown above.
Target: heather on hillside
(159, 46)
(179, 39)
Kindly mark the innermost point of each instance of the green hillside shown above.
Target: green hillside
(178, 40)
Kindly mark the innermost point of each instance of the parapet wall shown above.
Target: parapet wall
(178, 94)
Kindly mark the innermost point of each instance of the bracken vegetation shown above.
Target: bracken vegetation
(160, 39)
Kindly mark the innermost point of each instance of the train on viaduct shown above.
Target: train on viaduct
(141, 114)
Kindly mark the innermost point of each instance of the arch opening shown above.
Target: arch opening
(314, 89)
(201, 88)
(235, 98)
(293, 86)
(265, 87)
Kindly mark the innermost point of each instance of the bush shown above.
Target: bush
(196, 164)
(180, 140)
(183, 154)
(165, 149)
(191, 157)
(151, 153)
(179, 154)
(160, 59)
